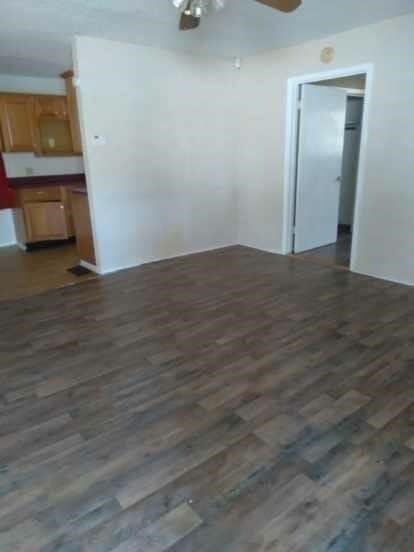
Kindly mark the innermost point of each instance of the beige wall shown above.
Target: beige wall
(194, 153)
(385, 243)
(162, 184)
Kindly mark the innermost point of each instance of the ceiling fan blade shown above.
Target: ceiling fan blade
(188, 21)
(282, 5)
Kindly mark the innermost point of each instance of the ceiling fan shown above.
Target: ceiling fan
(193, 10)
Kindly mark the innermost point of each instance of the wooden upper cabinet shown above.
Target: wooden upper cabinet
(52, 106)
(44, 124)
(54, 137)
(73, 112)
(16, 116)
(52, 126)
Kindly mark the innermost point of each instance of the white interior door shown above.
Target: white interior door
(320, 150)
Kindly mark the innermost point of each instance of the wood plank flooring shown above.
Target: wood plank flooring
(338, 253)
(24, 273)
(227, 401)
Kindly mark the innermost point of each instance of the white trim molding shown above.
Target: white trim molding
(292, 121)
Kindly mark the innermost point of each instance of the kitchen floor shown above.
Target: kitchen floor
(233, 400)
(25, 273)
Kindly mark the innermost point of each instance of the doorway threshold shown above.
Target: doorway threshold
(319, 261)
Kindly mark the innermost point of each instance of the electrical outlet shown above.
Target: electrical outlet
(28, 171)
(51, 142)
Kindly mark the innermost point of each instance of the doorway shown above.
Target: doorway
(326, 148)
(46, 239)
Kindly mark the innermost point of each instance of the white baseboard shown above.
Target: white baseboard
(264, 249)
(383, 278)
(8, 244)
(89, 266)
(166, 258)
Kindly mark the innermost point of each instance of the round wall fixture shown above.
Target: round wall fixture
(327, 54)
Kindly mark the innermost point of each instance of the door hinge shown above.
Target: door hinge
(294, 230)
(299, 105)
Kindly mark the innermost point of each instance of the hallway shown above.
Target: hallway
(338, 253)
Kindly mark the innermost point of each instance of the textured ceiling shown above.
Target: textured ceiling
(35, 35)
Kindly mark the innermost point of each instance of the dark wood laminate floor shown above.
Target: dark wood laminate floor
(338, 253)
(227, 401)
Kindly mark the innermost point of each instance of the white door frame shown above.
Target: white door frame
(292, 121)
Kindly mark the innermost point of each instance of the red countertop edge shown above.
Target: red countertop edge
(50, 180)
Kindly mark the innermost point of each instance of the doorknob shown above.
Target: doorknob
(338, 179)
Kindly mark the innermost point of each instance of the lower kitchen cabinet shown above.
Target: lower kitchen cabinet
(83, 227)
(43, 214)
(45, 221)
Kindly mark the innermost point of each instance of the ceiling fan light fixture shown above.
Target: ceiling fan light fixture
(179, 4)
(193, 10)
(196, 11)
(198, 8)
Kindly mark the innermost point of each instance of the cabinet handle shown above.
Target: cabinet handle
(62, 207)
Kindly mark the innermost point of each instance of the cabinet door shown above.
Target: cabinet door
(73, 112)
(16, 113)
(45, 221)
(46, 193)
(52, 106)
(67, 202)
(54, 136)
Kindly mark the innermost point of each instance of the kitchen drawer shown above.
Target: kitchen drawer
(48, 193)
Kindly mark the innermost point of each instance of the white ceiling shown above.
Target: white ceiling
(35, 34)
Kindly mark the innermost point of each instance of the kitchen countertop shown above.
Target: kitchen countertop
(50, 180)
